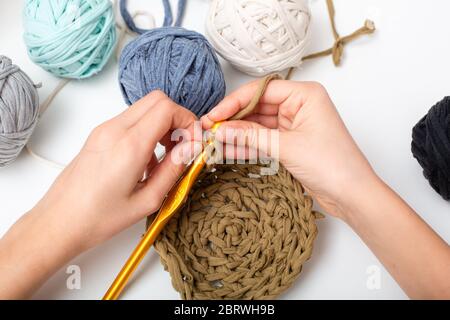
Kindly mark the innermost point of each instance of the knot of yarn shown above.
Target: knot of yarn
(19, 110)
(70, 38)
(239, 236)
(177, 61)
(431, 146)
(337, 50)
(259, 37)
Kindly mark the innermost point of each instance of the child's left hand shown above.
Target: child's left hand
(99, 193)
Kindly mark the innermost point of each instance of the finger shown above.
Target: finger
(185, 152)
(251, 135)
(234, 152)
(149, 198)
(267, 109)
(270, 122)
(207, 123)
(151, 165)
(155, 124)
(261, 109)
(167, 141)
(136, 111)
(276, 93)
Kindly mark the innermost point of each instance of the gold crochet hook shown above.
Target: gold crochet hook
(172, 204)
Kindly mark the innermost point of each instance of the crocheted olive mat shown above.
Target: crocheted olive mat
(241, 235)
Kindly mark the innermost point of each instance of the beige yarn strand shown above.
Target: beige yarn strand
(239, 237)
(44, 106)
(337, 50)
(255, 99)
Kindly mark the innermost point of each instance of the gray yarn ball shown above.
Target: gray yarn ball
(19, 110)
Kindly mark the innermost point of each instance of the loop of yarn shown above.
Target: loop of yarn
(70, 38)
(19, 110)
(177, 61)
(259, 37)
(168, 16)
(431, 146)
(239, 236)
(337, 50)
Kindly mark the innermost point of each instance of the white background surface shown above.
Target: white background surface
(386, 84)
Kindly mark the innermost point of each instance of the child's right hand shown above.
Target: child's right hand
(314, 144)
(316, 147)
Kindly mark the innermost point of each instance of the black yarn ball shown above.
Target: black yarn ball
(431, 146)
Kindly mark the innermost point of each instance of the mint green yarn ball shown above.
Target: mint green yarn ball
(70, 38)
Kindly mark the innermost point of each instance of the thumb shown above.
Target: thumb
(251, 135)
(149, 197)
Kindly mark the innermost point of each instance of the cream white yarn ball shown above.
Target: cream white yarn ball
(259, 37)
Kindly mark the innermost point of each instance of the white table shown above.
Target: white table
(386, 84)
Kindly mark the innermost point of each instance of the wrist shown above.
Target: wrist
(352, 192)
(31, 251)
(53, 228)
(363, 199)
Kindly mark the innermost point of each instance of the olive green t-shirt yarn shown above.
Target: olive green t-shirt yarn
(240, 235)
